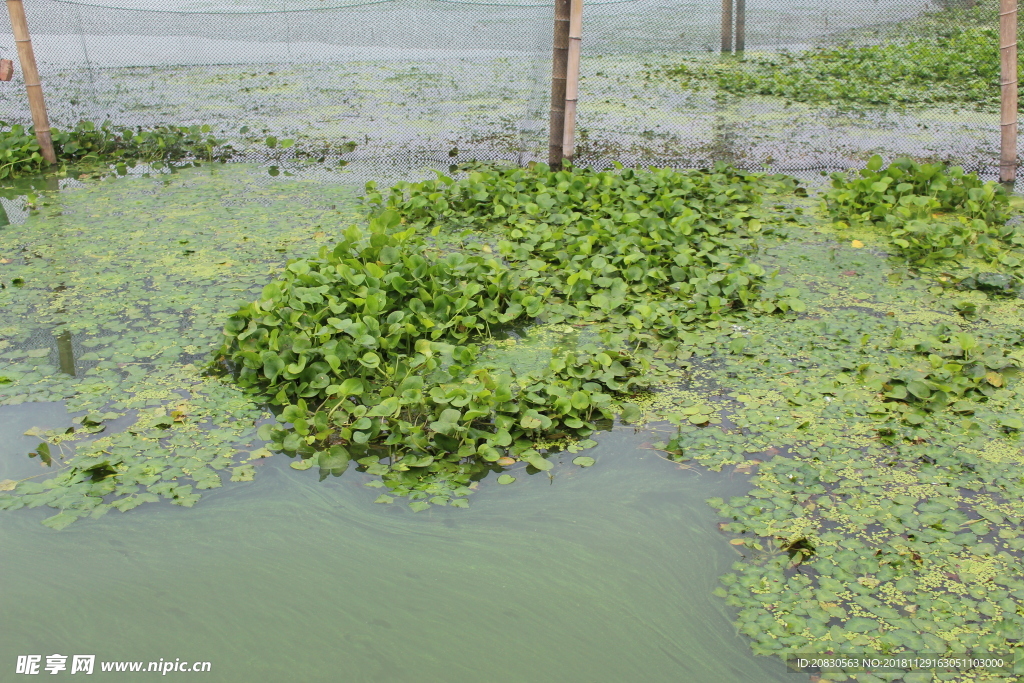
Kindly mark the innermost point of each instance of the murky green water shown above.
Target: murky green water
(602, 574)
(596, 574)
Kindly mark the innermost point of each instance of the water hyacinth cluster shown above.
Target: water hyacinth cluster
(372, 351)
(368, 353)
(106, 144)
(933, 215)
(650, 250)
(948, 64)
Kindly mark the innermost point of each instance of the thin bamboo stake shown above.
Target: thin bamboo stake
(572, 79)
(741, 25)
(559, 70)
(1008, 84)
(33, 85)
(726, 26)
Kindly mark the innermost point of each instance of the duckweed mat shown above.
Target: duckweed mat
(114, 294)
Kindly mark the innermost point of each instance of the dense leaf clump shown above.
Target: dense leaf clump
(956, 67)
(371, 349)
(109, 144)
(367, 353)
(653, 249)
(932, 214)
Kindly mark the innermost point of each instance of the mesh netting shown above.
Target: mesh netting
(429, 82)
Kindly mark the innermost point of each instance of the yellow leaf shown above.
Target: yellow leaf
(856, 244)
(486, 248)
(995, 379)
(8, 485)
(319, 235)
(736, 541)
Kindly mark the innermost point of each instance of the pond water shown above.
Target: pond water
(603, 574)
(596, 574)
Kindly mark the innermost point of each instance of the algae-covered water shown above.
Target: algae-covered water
(596, 574)
(165, 530)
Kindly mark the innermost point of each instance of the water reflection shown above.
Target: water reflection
(66, 353)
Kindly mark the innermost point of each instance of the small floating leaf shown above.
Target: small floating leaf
(583, 461)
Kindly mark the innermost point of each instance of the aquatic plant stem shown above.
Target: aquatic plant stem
(33, 86)
(1008, 85)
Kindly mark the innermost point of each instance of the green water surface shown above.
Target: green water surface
(602, 574)
(596, 574)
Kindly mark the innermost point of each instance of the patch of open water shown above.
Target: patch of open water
(603, 574)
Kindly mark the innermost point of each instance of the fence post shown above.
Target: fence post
(559, 70)
(33, 86)
(741, 25)
(726, 26)
(572, 82)
(1008, 86)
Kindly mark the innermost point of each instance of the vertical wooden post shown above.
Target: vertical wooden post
(1008, 85)
(741, 25)
(33, 85)
(559, 70)
(572, 81)
(726, 26)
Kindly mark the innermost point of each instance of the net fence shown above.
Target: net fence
(820, 85)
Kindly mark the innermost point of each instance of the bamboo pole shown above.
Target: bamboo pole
(559, 70)
(572, 79)
(33, 85)
(741, 25)
(726, 26)
(1008, 86)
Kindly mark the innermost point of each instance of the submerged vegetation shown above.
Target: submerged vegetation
(856, 355)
